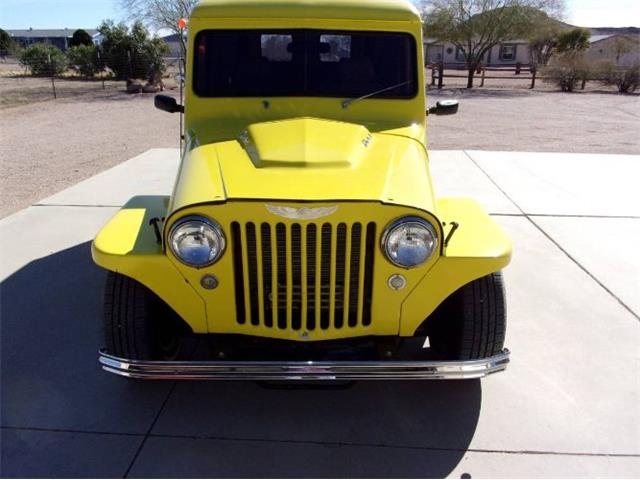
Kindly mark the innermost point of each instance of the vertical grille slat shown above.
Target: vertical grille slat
(260, 274)
(296, 277)
(368, 269)
(340, 277)
(325, 277)
(252, 270)
(304, 277)
(237, 267)
(281, 252)
(311, 243)
(274, 279)
(267, 275)
(353, 299)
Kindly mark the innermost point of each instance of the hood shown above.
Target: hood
(307, 159)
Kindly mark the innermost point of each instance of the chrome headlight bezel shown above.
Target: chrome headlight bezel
(214, 227)
(404, 221)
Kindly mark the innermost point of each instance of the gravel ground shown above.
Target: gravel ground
(524, 120)
(49, 145)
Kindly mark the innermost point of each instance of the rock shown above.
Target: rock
(135, 86)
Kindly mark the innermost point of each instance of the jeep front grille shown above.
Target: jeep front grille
(303, 277)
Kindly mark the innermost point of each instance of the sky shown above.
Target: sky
(15, 14)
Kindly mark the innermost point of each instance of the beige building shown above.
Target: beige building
(506, 54)
(623, 50)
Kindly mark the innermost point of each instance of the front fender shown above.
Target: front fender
(479, 247)
(127, 244)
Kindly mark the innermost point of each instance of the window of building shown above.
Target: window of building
(508, 52)
(460, 55)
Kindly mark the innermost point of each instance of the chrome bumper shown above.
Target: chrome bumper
(333, 370)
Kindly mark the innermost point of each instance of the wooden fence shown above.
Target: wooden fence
(520, 72)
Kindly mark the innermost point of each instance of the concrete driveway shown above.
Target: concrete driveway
(568, 406)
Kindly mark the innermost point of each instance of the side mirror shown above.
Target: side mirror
(167, 104)
(444, 107)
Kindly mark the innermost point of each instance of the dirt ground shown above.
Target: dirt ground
(47, 145)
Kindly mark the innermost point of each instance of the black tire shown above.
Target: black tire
(471, 323)
(137, 324)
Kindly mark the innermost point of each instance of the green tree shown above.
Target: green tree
(476, 26)
(161, 14)
(570, 66)
(84, 60)
(575, 40)
(43, 59)
(80, 37)
(132, 53)
(543, 39)
(6, 42)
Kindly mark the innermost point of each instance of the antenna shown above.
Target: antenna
(182, 24)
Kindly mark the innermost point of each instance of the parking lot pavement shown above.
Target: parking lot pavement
(567, 406)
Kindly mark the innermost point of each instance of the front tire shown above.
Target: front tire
(137, 324)
(471, 323)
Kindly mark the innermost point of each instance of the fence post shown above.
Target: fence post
(433, 75)
(518, 68)
(53, 73)
(584, 83)
(534, 72)
(101, 67)
(440, 75)
(484, 70)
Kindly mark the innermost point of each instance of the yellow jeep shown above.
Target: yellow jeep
(303, 238)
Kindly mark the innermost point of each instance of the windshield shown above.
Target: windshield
(310, 63)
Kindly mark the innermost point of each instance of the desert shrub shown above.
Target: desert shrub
(625, 79)
(43, 59)
(566, 71)
(80, 37)
(132, 53)
(84, 60)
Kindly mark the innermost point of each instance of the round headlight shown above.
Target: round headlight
(410, 242)
(197, 241)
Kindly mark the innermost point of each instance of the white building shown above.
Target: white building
(506, 54)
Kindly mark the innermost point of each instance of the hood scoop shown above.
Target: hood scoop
(305, 143)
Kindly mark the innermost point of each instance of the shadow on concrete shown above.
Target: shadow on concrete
(50, 326)
(479, 92)
(50, 315)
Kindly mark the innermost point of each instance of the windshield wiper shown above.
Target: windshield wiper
(348, 102)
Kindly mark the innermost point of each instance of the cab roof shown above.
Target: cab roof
(389, 10)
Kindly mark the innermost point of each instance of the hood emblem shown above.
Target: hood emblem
(302, 213)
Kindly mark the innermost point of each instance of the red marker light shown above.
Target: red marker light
(182, 24)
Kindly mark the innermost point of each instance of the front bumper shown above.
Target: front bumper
(292, 371)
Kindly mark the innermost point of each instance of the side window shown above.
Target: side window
(275, 48)
(507, 52)
(339, 47)
(460, 55)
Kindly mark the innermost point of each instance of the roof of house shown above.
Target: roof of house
(391, 10)
(174, 37)
(49, 33)
(435, 41)
(599, 38)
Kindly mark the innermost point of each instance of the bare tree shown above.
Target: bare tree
(622, 45)
(161, 14)
(476, 26)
